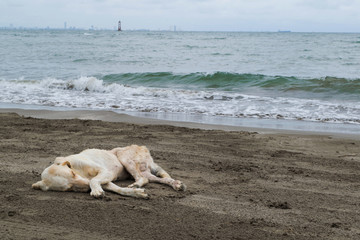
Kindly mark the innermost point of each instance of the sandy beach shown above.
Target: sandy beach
(241, 184)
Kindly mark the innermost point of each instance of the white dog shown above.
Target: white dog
(95, 169)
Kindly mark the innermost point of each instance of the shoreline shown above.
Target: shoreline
(274, 126)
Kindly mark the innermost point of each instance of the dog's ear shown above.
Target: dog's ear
(59, 160)
(40, 185)
(66, 163)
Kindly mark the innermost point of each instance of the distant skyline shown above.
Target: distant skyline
(186, 15)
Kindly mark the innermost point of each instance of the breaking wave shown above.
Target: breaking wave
(215, 94)
(235, 81)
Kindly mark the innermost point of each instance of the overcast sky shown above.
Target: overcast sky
(198, 15)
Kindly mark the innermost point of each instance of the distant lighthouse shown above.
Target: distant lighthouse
(119, 26)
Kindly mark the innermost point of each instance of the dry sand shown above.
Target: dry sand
(241, 185)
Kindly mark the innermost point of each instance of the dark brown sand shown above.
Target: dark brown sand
(241, 185)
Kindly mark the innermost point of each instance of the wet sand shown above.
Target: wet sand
(241, 184)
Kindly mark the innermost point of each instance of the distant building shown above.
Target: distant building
(119, 26)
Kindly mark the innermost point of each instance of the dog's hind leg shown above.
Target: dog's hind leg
(126, 156)
(131, 192)
(175, 184)
(135, 170)
(158, 171)
(139, 163)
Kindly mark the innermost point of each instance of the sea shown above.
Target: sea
(286, 80)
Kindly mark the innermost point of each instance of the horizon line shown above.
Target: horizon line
(73, 28)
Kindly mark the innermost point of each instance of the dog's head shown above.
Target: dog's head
(61, 177)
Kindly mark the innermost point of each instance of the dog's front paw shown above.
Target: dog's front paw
(140, 193)
(179, 186)
(97, 193)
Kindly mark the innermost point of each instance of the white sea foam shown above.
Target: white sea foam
(94, 93)
(87, 84)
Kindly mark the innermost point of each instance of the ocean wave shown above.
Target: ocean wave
(226, 81)
(196, 93)
(220, 81)
(165, 79)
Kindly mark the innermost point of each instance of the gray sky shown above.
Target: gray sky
(198, 15)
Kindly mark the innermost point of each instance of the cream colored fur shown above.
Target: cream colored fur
(95, 170)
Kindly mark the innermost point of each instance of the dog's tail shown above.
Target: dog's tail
(158, 171)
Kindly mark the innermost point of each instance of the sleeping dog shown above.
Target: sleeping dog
(95, 170)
